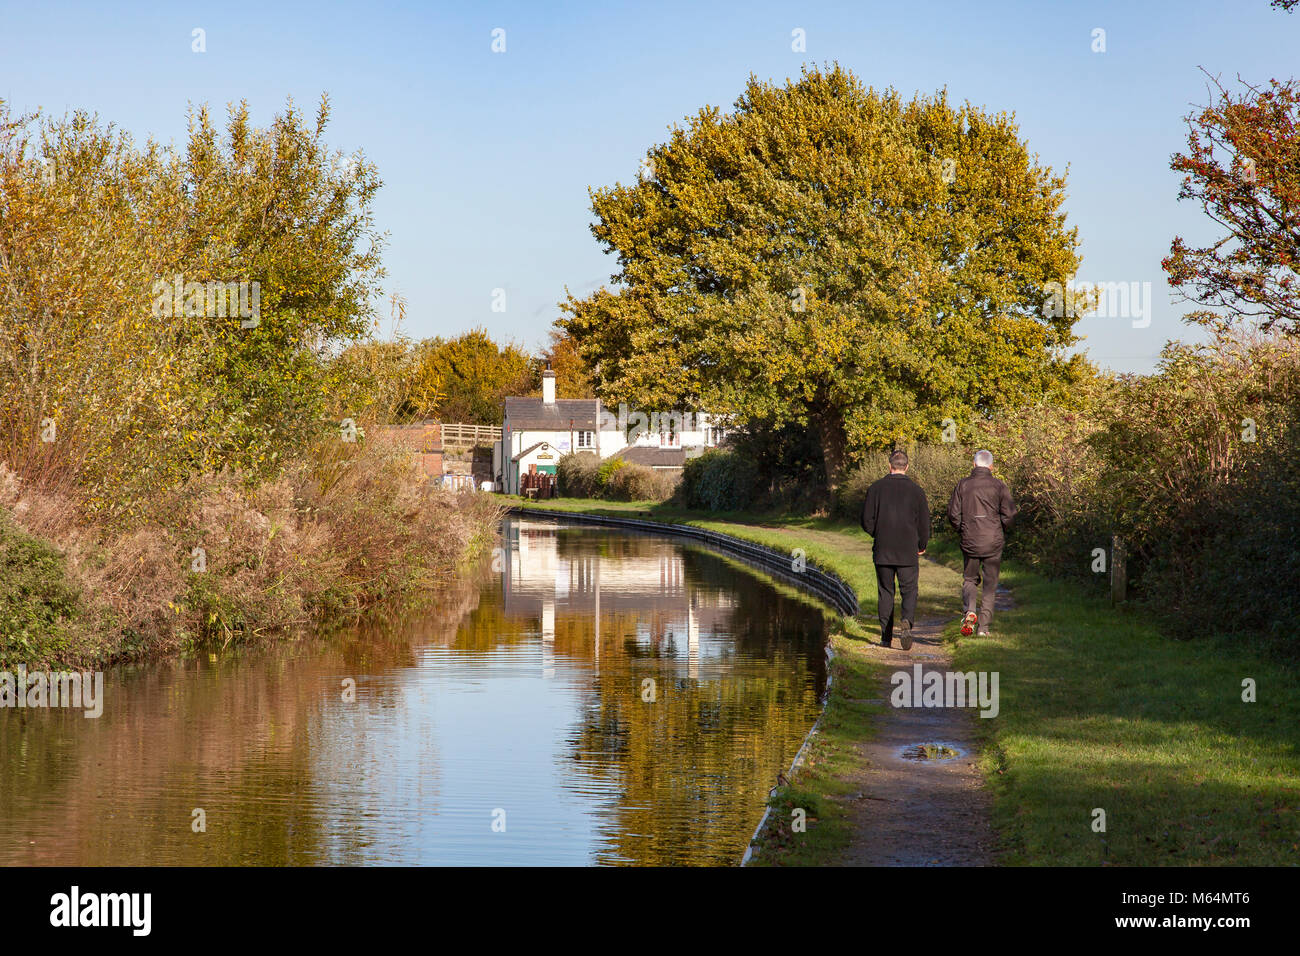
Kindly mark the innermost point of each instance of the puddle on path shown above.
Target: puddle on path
(931, 750)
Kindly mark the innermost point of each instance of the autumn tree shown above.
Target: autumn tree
(389, 382)
(1242, 166)
(477, 374)
(167, 312)
(275, 206)
(572, 378)
(836, 259)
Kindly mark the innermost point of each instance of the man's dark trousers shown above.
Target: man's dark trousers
(970, 585)
(908, 574)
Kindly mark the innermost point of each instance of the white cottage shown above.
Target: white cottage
(537, 431)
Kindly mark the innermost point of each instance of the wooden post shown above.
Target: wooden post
(1118, 572)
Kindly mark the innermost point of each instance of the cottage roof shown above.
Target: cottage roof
(652, 456)
(531, 448)
(536, 415)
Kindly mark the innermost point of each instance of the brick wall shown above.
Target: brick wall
(424, 438)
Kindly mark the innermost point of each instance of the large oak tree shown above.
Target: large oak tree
(833, 258)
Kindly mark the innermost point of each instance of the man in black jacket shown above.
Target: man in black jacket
(981, 511)
(897, 517)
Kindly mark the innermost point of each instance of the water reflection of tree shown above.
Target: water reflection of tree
(240, 739)
(693, 767)
(259, 739)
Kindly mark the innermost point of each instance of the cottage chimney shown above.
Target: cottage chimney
(548, 387)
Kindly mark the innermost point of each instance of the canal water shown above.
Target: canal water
(586, 696)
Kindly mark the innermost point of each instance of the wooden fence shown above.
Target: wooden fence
(470, 436)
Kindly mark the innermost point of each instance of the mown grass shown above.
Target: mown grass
(1099, 711)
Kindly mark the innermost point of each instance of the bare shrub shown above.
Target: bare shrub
(640, 483)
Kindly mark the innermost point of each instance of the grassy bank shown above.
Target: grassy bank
(1102, 711)
(1099, 710)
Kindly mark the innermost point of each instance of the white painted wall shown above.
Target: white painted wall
(609, 440)
(613, 440)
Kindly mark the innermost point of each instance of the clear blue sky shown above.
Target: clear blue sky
(487, 157)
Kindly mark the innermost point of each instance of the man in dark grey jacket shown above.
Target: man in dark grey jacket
(981, 511)
(897, 517)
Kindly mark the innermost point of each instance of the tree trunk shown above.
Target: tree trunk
(830, 435)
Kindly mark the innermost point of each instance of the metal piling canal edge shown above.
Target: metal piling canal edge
(824, 584)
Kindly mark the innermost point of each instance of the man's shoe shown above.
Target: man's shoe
(968, 623)
(984, 632)
(886, 642)
(905, 635)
